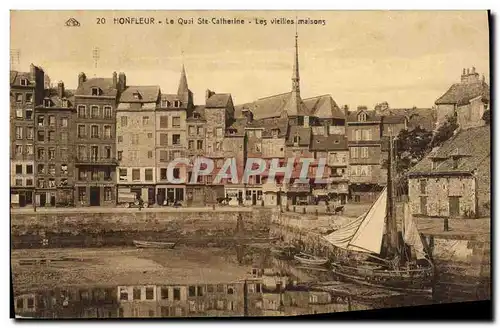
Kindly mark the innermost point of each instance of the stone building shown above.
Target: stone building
(55, 148)
(135, 141)
(233, 147)
(219, 114)
(26, 92)
(95, 142)
(468, 100)
(171, 141)
(365, 155)
(454, 180)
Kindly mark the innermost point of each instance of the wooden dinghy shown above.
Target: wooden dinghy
(154, 244)
(308, 259)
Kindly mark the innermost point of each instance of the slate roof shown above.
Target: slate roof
(302, 132)
(393, 119)
(105, 84)
(330, 142)
(198, 109)
(148, 94)
(268, 124)
(15, 78)
(371, 116)
(239, 126)
(218, 100)
(473, 146)
(324, 107)
(461, 93)
(56, 101)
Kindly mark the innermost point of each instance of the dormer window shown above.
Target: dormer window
(196, 115)
(165, 103)
(95, 91)
(46, 103)
(65, 103)
(24, 82)
(177, 104)
(137, 95)
(362, 117)
(275, 133)
(296, 140)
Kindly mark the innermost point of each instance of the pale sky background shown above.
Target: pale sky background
(359, 57)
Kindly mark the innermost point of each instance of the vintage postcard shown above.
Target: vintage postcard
(248, 163)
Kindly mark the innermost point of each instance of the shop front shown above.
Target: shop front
(235, 195)
(21, 198)
(253, 197)
(169, 194)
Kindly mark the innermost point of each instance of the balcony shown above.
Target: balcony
(299, 187)
(96, 161)
(338, 178)
(274, 187)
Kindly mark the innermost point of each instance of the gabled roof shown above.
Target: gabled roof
(417, 117)
(371, 116)
(473, 145)
(304, 134)
(324, 107)
(393, 119)
(329, 142)
(199, 110)
(171, 98)
(56, 101)
(237, 127)
(218, 100)
(148, 94)
(461, 93)
(268, 124)
(15, 78)
(294, 106)
(105, 84)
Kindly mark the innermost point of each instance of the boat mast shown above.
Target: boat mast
(391, 225)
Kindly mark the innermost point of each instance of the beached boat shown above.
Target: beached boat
(154, 244)
(284, 252)
(378, 254)
(308, 259)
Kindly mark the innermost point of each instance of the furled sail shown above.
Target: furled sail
(365, 233)
(411, 235)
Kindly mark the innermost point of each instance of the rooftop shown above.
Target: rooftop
(461, 93)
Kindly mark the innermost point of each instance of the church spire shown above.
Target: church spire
(183, 85)
(295, 75)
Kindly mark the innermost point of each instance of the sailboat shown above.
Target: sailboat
(378, 254)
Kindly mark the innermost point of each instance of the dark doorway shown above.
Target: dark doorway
(151, 196)
(95, 196)
(240, 197)
(43, 199)
(29, 198)
(454, 206)
(254, 198)
(423, 205)
(278, 200)
(22, 199)
(52, 200)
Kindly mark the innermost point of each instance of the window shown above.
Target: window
(41, 169)
(94, 131)
(362, 117)
(354, 170)
(120, 139)
(94, 111)
(41, 183)
(64, 137)
(354, 152)
(191, 144)
(177, 173)
(200, 290)
(82, 194)
(94, 153)
(19, 303)
(41, 153)
(135, 139)
(47, 103)
(29, 169)
(95, 91)
(150, 135)
(199, 130)
(423, 186)
(136, 174)
(41, 120)
(177, 294)
(296, 140)
(123, 294)
(176, 122)
(191, 130)
(149, 293)
(218, 132)
(107, 152)
(163, 139)
(31, 303)
(177, 103)
(164, 293)
(52, 169)
(192, 291)
(176, 139)
(81, 111)
(199, 144)
(120, 155)
(357, 134)
(52, 120)
(124, 121)
(29, 97)
(148, 174)
(95, 174)
(29, 113)
(64, 169)
(19, 169)
(366, 135)
(107, 131)
(29, 149)
(64, 103)
(364, 152)
(108, 112)
(163, 122)
(81, 131)
(82, 152)
(19, 97)
(165, 103)
(19, 113)
(24, 82)
(145, 120)
(163, 156)
(19, 150)
(258, 134)
(52, 183)
(64, 154)
(19, 132)
(136, 293)
(51, 136)
(217, 145)
(163, 174)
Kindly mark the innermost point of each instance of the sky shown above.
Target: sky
(407, 58)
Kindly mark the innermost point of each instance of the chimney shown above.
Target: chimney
(473, 70)
(306, 121)
(122, 82)
(115, 80)
(32, 72)
(468, 71)
(248, 114)
(60, 89)
(346, 110)
(463, 73)
(463, 78)
(208, 94)
(81, 78)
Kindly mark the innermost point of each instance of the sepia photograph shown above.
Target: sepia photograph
(211, 163)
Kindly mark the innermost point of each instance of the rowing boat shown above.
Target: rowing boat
(154, 244)
(309, 259)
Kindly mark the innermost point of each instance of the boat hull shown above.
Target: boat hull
(153, 244)
(415, 281)
(309, 260)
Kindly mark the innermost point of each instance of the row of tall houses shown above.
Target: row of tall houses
(85, 147)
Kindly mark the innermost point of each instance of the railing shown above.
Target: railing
(96, 160)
